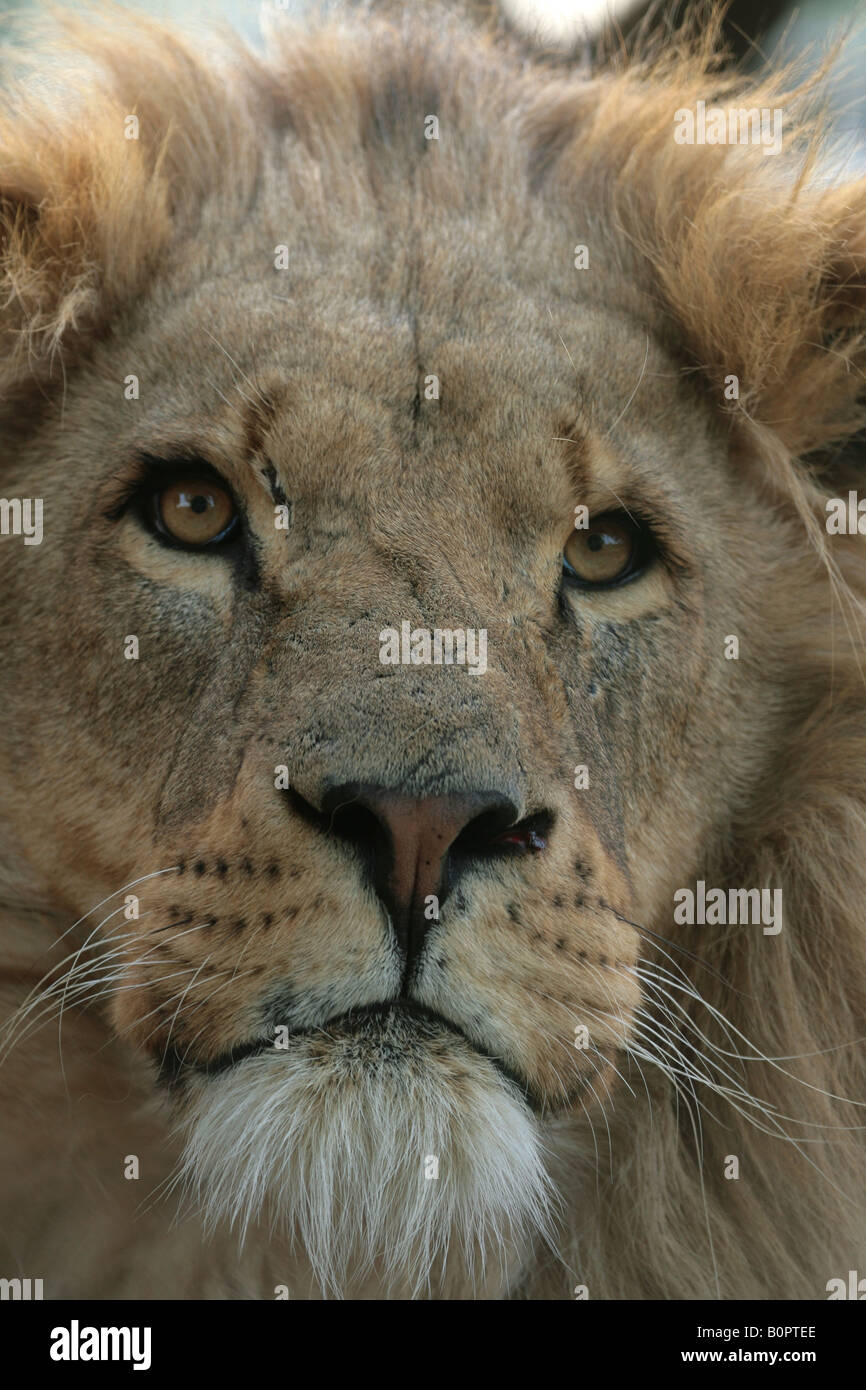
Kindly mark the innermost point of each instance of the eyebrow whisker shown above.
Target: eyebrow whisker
(633, 394)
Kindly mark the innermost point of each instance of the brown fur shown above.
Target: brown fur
(410, 257)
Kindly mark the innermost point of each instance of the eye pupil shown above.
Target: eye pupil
(199, 504)
(594, 541)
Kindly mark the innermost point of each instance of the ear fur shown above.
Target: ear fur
(86, 212)
(757, 263)
(82, 217)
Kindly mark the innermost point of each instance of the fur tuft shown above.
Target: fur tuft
(331, 1139)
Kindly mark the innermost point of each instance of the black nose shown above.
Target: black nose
(415, 847)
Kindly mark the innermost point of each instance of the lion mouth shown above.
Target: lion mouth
(389, 1022)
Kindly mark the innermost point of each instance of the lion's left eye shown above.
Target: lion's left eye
(611, 549)
(196, 512)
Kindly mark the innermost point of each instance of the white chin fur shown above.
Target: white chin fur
(330, 1139)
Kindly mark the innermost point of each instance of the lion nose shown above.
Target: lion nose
(415, 847)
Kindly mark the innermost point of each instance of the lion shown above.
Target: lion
(338, 961)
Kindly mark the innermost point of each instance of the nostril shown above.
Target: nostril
(524, 840)
(498, 831)
(529, 836)
(483, 828)
(359, 827)
(343, 816)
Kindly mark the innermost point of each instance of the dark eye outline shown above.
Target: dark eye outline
(154, 478)
(643, 552)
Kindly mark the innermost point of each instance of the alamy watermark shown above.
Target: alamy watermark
(77, 1343)
(846, 516)
(421, 646)
(20, 1290)
(732, 125)
(854, 1287)
(737, 907)
(22, 516)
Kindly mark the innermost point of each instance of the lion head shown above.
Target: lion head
(433, 591)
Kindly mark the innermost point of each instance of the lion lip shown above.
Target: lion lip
(383, 1010)
(401, 1008)
(173, 1065)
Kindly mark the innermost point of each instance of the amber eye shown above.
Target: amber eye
(195, 511)
(612, 548)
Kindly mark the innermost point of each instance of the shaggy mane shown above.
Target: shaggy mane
(757, 266)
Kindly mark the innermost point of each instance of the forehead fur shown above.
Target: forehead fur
(746, 265)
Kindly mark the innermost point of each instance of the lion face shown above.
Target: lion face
(359, 881)
(415, 616)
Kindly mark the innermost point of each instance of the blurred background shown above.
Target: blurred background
(753, 28)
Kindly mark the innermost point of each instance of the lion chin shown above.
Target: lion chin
(378, 1146)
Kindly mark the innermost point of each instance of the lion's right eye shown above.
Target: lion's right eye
(195, 512)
